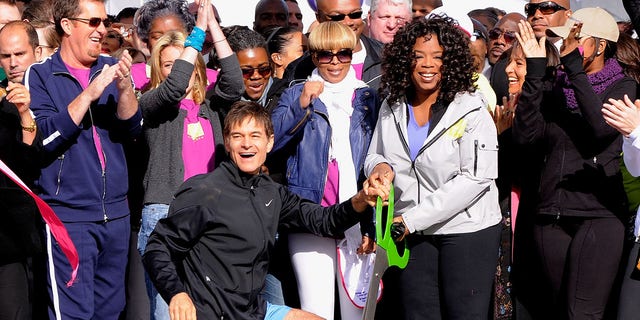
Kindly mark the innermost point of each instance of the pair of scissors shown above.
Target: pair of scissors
(387, 254)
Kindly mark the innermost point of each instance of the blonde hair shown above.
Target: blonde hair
(332, 35)
(176, 39)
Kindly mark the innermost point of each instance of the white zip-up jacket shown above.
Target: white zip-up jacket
(450, 187)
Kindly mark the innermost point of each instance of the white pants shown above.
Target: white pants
(314, 263)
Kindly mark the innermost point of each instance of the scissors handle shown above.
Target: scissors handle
(383, 234)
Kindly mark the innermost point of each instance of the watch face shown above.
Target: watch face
(397, 230)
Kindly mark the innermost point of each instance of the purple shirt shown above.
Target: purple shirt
(198, 144)
(417, 134)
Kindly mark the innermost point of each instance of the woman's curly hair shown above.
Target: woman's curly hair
(399, 60)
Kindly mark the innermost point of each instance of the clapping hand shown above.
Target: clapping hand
(623, 116)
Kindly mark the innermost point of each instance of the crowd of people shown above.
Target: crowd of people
(159, 164)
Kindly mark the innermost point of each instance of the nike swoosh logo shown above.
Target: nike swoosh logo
(268, 203)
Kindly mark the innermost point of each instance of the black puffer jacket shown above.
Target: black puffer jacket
(215, 244)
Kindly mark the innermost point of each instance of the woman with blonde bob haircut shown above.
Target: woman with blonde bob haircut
(182, 129)
(323, 126)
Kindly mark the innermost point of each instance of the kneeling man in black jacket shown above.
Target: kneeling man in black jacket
(210, 256)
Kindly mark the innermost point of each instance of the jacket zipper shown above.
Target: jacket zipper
(252, 193)
(59, 180)
(103, 170)
(475, 158)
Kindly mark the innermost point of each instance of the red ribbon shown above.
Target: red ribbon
(51, 219)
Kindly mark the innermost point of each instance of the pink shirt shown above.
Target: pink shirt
(198, 144)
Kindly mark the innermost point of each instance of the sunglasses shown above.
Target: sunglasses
(546, 8)
(326, 56)
(263, 71)
(94, 22)
(341, 16)
(509, 36)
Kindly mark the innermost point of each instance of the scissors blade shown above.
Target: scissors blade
(379, 267)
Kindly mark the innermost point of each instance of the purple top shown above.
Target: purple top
(417, 134)
(198, 144)
(331, 187)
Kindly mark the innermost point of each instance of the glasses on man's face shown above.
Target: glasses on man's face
(341, 16)
(248, 72)
(509, 36)
(326, 56)
(94, 22)
(546, 8)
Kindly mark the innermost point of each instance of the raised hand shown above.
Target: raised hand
(204, 8)
(572, 41)
(531, 47)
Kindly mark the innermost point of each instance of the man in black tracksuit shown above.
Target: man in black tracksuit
(211, 254)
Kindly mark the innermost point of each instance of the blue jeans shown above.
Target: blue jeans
(272, 291)
(151, 213)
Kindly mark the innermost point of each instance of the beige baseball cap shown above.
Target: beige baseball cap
(596, 22)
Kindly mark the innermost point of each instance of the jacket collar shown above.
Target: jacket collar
(239, 178)
(58, 65)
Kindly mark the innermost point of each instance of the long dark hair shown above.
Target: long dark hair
(398, 59)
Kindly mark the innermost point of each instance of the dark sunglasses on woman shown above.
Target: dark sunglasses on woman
(326, 56)
(546, 8)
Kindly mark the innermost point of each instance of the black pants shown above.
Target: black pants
(15, 291)
(449, 276)
(580, 259)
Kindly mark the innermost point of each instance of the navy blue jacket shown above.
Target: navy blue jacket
(71, 180)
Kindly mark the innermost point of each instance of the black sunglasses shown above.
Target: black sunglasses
(509, 36)
(94, 22)
(263, 71)
(341, 16)
(326, 56)
(546, 8)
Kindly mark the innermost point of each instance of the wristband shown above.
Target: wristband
(195, 39)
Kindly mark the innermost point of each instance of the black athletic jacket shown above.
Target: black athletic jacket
(580, 176)
(216, 241)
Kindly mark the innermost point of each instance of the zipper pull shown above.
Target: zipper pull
(104, 216)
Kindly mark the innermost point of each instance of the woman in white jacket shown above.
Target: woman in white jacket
(436, 141)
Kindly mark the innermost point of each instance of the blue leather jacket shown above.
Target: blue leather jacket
(304, 135)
